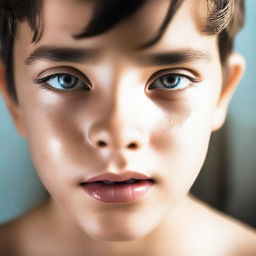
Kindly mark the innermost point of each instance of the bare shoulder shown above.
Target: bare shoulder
(16, 234)
(230, 236)
(8, 236)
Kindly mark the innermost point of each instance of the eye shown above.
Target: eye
(172, 81)
(63, 82)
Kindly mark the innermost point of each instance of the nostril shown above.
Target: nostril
(132, 145)
(101, 143)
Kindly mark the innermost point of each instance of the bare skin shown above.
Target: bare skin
(198, 230)
(63, 129)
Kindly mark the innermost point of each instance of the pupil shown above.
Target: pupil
(67, 81)
(170, 81)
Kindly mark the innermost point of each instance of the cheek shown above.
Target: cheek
(185, 137)
(185, 150)
(57, 144)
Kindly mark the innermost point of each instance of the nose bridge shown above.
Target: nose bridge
(117, 127)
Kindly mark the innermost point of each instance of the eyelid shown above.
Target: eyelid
(65, 70)
(192, 76)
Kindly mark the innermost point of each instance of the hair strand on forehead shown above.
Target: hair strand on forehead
(219, 16)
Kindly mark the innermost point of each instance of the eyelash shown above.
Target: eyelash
(43, 81)
(193, 81)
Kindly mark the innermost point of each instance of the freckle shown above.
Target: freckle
(182, 119)
(164, 138)
(160, 141)
(176, 120)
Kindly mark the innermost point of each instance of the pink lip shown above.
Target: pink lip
(118, 177)
(119, 192)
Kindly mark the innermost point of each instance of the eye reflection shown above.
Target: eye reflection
(172, 81)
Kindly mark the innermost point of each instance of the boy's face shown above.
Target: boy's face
(167, 108)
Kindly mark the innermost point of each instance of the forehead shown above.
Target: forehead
(62, 19)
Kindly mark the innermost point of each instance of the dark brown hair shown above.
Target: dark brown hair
(224, 17)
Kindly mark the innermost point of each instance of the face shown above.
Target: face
(117, 94)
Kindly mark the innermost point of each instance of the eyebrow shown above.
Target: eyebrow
(78, 55)
(61, 54)
(176, 57)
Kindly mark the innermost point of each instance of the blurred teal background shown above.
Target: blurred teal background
(242, 128)
(20, 188)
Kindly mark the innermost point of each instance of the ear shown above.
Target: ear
(235, 70)
(11, 104)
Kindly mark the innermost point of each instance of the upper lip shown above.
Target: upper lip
(118, 177)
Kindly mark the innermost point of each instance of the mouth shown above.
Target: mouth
(108, 182)
(112, 188)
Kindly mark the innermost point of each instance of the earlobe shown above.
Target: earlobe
(235, 69)
(11, 104)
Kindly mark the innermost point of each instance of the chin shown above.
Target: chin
(121, 223)
(117, 231)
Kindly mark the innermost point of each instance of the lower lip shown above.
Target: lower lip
(118, 193)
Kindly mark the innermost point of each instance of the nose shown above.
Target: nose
(113, 134)
(120, 121)
(118, 125)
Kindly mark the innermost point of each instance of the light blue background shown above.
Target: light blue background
(242, 118)
(20, 189)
